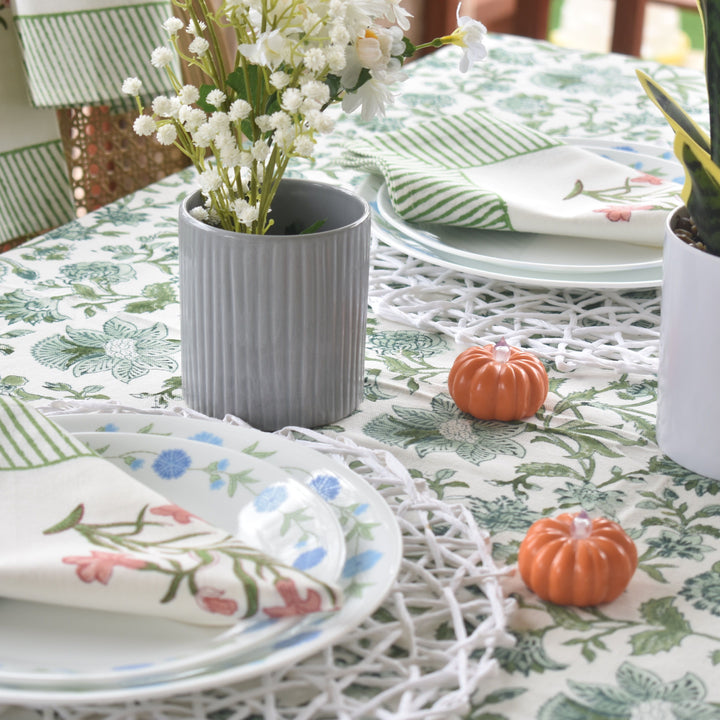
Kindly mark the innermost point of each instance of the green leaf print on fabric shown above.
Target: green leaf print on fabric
(528, 655)
(703, 590)
(20, 306)
(445, 429)
(122, 348)
(674, 628)
(639, 695)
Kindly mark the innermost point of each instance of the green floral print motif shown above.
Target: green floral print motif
(684, 545)
(122, 348)
(19, 306)
(502, 514)
(590, 498)
(50, 252)
(72, 232)
(103, 274)
(118, 213)
(446, 429)
(703, 590)
(406, 342)
(527, 655)
(640, 695)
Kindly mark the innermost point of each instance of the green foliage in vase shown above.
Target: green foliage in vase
(698, 152)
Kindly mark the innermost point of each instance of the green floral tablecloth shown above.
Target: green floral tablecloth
(90, 311)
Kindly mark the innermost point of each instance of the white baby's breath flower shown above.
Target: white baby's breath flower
(219, 121)
(336, 59)
(199, 46)
(239, 110)
(310, 22)
(284, 137)
(132, 86)
(249, 215)
(203, 137)
(308, 106)
(167, 134)
(315, 59)
(230, 155)
(260, 150)
(162, 106)
(320, 121)
(291, 100)
(315, 90)
(144, 125)
(161, 56)
(209, 181)
(195, 28)
(173, 25)
(304, 145)
(263, 122)
(189, 94)
(192, 118)
(280, 120)
(199, 213)
(216, 97)
(339, 35)
(279, 79)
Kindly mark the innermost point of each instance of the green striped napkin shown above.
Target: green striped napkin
(75, 530)
(475, 170)
(78, 52)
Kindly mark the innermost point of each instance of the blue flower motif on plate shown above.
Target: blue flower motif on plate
(207, 437)
(310, 558)
(271, 498)
(326, 486)
(361, 562)
(171, 464)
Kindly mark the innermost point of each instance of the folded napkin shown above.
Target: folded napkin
(76, 530)
(475, 170)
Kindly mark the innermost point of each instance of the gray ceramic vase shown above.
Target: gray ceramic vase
(273, 326)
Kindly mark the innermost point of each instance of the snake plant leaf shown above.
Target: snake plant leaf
(674, 114)
(701, 192)
(710, 15)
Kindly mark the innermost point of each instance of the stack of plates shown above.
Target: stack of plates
(291, 501)
(533, 259)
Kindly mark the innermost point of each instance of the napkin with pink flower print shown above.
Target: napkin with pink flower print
(476, 170)
(76, 530)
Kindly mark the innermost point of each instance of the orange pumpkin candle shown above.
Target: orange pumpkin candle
(573, 560)
(498, 382)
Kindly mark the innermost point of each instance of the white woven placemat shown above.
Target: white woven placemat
(396, 665)
(573, 328)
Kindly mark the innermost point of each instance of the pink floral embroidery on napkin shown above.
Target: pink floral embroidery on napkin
(178, 514)
(649, 179)
(618, 213)
(211, 599)
(99, 566)
(294, 604)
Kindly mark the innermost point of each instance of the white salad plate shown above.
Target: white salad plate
(373, 545)
(249, 498)
(532, 258)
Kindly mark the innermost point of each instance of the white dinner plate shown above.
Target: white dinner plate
(225, 488)
(532, 258)
(372, 539)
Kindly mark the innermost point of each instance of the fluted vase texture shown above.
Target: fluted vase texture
(273, 326)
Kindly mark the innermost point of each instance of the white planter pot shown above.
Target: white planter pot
(273, 326)
(688, 420)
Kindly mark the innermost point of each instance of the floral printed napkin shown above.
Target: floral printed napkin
(475, 170)
(75, 530)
